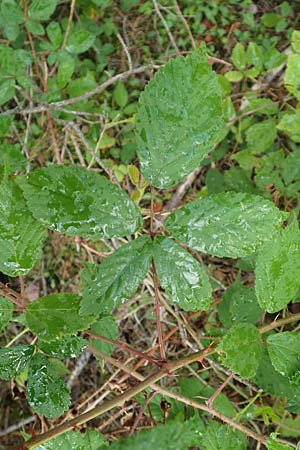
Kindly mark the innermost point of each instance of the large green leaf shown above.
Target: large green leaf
(47, 393)
(174, 435)
(79, 41)
(179, 119)
(223, 437)
(241, 349)
(239, 304)
(107, 285)
(6, 312)
(182, 276)
(41, 9)
(291, 76)
(21, 236)
(227, 224)
(57, 315)
(68, 347)
(261, 136)
(77, 202)
(289, 124)
(284, 351)
(13, 360)
(277, 270)
(74, 440)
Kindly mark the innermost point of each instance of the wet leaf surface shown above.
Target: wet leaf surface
(13, 360)
(6, 312)
(74, 440)
(68, 347)
(284, 352)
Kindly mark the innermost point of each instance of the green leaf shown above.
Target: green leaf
(41, 9)
(179, 119)
(12, 16)
(284, 350)
(107, 327)
(255, 56)
(11, 157)
(183, 435)
(271, 381)
(74, 440)
(290, 124)
(79, 41)
(295, 41)
(36, 28)
(234, 76)
(182, 277)
(65, 70)
(239, 57)
(21, 237)
(107, 285)
(291, 76)
(13, 360)
(68, 347)
(6, 312)
(261, 136)
(223, 437)
(273, 444)
(242, 349)
(56, 315)
(47, 393)
(227, 224)
(120, 95)
(54, 34)
(77, 202)
(239, 304)
(277, 270)
(7, 91)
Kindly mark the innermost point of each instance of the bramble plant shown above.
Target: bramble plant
(184, 113)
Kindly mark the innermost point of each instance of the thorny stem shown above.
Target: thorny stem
(167, 369)
(279, 323)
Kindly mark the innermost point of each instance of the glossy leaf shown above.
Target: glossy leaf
(41, 9)
(57, 315)
(277, 270)
(222, 437)
(227, 224)
(273, 444)
(47, 393)
(179, 119)
(107, 285)
(239, 304)
(77, 202)
(183, 435)
(21, 236)
(13, 360)
(74, 440)
(182, 277)
(241, 349)
(239, 57)
(284, 351)
(68, 347)
(6, 312)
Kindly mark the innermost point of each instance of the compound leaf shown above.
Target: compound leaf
(226, 224)
(47, 393)
(13, 360)
(77, 202)
(182, 276)
(74, 440)
(179, 119)
(57, 315)
(277, 270)
(6, 312)
(284, 351)
(273, 444)
(241, 349)
(21, 236)
(107, 285)
(222, 437)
